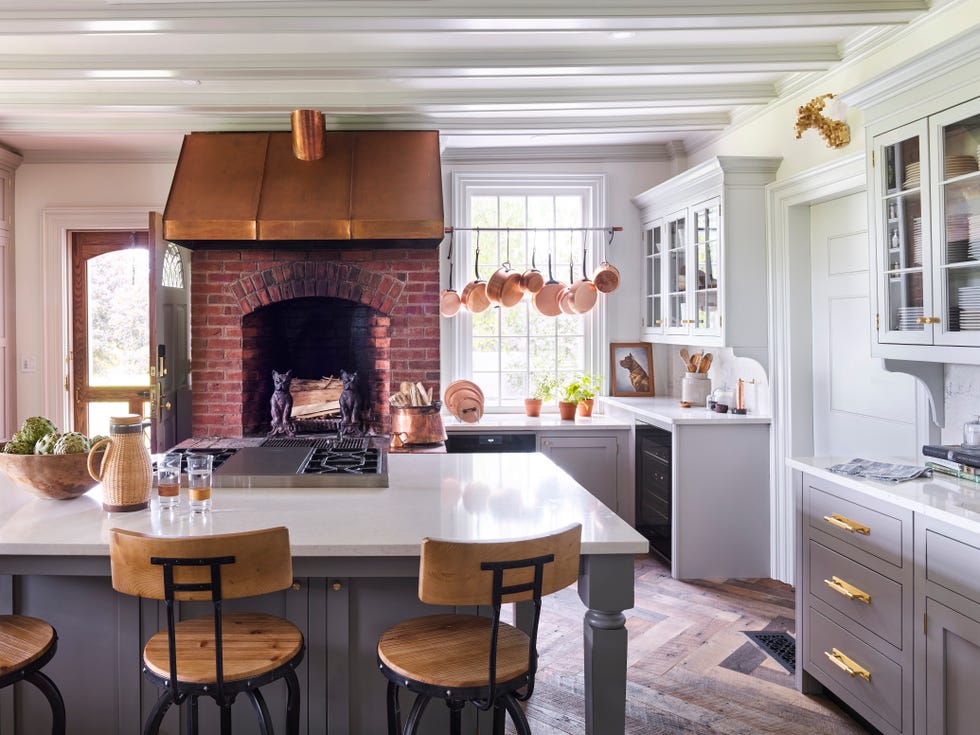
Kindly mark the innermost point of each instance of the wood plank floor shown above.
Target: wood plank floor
(691, 668)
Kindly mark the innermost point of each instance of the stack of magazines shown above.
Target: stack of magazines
(884, 471)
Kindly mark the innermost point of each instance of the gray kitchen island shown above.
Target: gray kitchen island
(355, 556)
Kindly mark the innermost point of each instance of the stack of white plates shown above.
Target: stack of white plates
(908, 316)
(954, 319)
(957, 228)
(969, 299)
(911, 175)
(973, 233)
(916, 241)
(960, 165)
(978, 155)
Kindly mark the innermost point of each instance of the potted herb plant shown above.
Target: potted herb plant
(582, 392)
(544, 390)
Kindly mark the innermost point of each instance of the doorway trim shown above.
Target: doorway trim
(56, 224)
(788, 205)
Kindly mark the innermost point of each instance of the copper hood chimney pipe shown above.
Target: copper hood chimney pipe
(309, 134)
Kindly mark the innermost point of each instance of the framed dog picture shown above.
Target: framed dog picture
(631, 368)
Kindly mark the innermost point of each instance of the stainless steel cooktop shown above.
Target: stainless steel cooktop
(300, 462)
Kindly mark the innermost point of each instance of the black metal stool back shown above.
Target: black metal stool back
(26, 646)
(213, 569)
(476, 574)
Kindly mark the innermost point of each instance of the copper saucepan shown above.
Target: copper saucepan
(546, 300)
(583, 291)
(449, 301)
(504, 286)
(566, 301)
(474, 296)
(532, 280)
(606, 275)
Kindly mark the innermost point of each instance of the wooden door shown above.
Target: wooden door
(858, 407)
(110, 328)
(169, 345)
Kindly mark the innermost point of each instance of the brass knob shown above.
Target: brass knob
(336, 586)
(295, 586)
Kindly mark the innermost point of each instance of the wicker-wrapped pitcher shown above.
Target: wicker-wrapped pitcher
(126, 472)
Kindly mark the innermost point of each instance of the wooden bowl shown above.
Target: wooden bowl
(55, 476)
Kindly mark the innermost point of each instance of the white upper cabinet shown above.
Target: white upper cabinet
(926, 182)
(704, 251)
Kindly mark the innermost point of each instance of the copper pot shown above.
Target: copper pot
(583, 292)
(606, 277)
(546, 300)
(449, 300)
(417, 425)
(504, 286)
(531, 279)
(474, 296)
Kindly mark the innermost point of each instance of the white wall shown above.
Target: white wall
(41, 187)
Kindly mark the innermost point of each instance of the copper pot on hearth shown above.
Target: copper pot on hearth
(417, 425)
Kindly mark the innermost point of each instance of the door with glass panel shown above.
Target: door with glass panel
(955, 143)
(679, 318)
(706, 256)
(905, 302)
(653, 278)
(110, 328)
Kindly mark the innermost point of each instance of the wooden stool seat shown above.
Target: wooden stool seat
(254, 644)
(453, 650)
(26, 646)
(23, 641)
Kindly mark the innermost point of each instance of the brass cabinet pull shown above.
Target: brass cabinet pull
(660, 321)
(848, 590)
(687, 321)
(844, 663)
(835, 519)
(927, 320)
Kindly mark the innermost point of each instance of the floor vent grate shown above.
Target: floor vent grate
(780, 646)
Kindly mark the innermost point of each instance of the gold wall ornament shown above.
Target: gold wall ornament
(835, 132)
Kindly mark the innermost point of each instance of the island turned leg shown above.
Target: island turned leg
(605, 585)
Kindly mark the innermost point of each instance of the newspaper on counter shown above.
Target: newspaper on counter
(883, 471)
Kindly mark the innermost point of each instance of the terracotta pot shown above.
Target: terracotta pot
(566, 409)
(585, 407)
(532, 407)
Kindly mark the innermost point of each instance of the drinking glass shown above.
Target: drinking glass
(168, 481)
(199, 481)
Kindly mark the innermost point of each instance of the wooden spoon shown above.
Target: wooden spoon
(705, 363)
(695, 363)
(686, 357)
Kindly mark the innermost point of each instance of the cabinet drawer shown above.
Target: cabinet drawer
(881, 616)
(881, 696)
(953, 564)
(883, 537)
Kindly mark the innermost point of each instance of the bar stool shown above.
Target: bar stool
(470, 658)
(220, 655)
(26, 645)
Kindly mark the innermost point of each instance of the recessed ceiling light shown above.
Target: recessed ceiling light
(620, 35)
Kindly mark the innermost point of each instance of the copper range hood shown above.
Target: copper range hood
(377, 188)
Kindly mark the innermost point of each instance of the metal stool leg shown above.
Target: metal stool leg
(156, 715)
(499, 719)
(292, 703)
(191, 703)
(415, 716)
(517, 715)
(261, 711)
(50, 691)
(455, 716)
(225, 722)
(394, 711)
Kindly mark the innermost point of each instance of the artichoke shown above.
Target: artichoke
(18, 446)
(96, 439)
(45, 445)
(71, 442)
(35, 427)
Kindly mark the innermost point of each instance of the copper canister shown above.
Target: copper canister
(417, 425)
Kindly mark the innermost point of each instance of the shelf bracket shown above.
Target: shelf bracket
(932, 375)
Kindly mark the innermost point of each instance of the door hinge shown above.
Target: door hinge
(925, 624)
(872, 159)
(67, 383)
(877, 322)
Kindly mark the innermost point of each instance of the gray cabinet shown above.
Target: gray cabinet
(592, 459)
(854, 601)
(948, 604)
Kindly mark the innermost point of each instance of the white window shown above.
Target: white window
(504, 350)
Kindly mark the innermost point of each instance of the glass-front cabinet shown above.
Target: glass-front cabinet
(704, 245)
(927, 200)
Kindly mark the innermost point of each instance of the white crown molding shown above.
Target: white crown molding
(10, 158)
(545, 154)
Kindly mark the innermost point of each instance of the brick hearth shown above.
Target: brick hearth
(398, 294)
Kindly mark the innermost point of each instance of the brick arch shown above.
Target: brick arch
(337, 280)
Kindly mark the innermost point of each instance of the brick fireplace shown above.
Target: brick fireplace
(373, 310)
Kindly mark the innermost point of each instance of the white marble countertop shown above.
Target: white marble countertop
(941, 497)
(520, 422)
(667, 413)
(463, 496)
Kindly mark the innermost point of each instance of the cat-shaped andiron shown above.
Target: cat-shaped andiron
(350, 403)
(282, 404)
